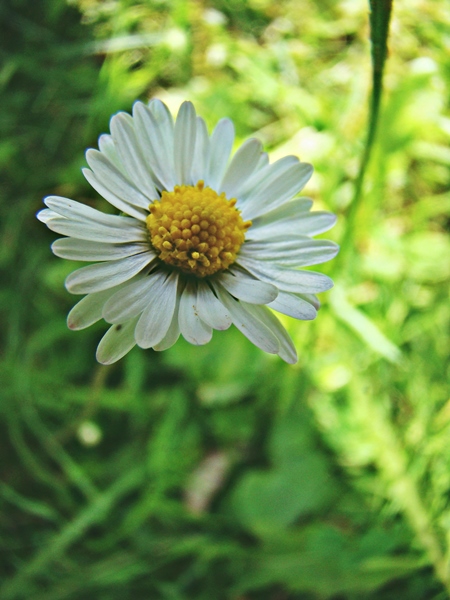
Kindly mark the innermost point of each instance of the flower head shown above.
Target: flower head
(203, 241)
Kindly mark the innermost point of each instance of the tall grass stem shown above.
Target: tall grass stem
(380, 14)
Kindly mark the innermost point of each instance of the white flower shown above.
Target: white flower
(206, 241)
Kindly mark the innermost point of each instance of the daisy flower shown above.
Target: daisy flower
(203, 240)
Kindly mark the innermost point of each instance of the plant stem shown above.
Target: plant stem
(380, 13)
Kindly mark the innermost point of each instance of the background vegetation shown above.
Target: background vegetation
(219, 472)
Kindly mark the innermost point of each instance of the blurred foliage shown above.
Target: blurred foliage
(218, 472)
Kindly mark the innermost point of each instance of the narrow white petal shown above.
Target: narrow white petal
(250, 326)
(115, 181)
(113, 199)
(308, 223)
(98, 233)
(248, 289)
(301, 252)
(154, 131)
(287, 280)
(293, 306)
(184, 143)
(163, 118)
(102, 276)
(262, 162)
(287, 349)
(318, 252)
(108, 148)
(173, 333)
(130, 154)
(166, 126)
(88, 310)
(201, 154)
(288, 210)
(192, 328)
(154, 322)
(117, 341)
(45, 215)
(279, 190)
(86, 223)
(71, 209)
(311, 299)
(130, 301)
(210, 310)
(74, 249)
(244, 162)
(222, 140)
(263, 176)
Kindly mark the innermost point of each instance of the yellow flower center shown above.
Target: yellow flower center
(196, 229)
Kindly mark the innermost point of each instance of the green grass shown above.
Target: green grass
(220, 472)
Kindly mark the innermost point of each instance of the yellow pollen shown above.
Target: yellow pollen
(196, 229)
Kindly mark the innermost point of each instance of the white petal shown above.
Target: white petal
(315, 253)
(86, 223)
(77, 212)
(128, 148)
(201, 154)
(163, 118)
(303, 224)
(210, 310)
(133, 298)
(154, 131)
(98, 233)
(293, 306)
(288, 210)
(71, 209)
(288, 280)
(244, 162)
(115, 181)
(74, 249)
(102, 276)
(192, 328)
(184, 143)
(299, 252)
(252, 328)
(222, 140)
(88, 310)
(247, 288)
(129, 209)
(262, 162)
(287, 349)
(264, 175)
(117, 341)
(311, 299)
(45, 215)
(280, 189)
(154, 323)
(166, 126)
(173, 333)
(108, 148)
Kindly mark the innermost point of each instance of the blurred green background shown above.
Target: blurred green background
(219, 472)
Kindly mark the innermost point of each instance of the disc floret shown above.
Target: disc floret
(196, 230)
